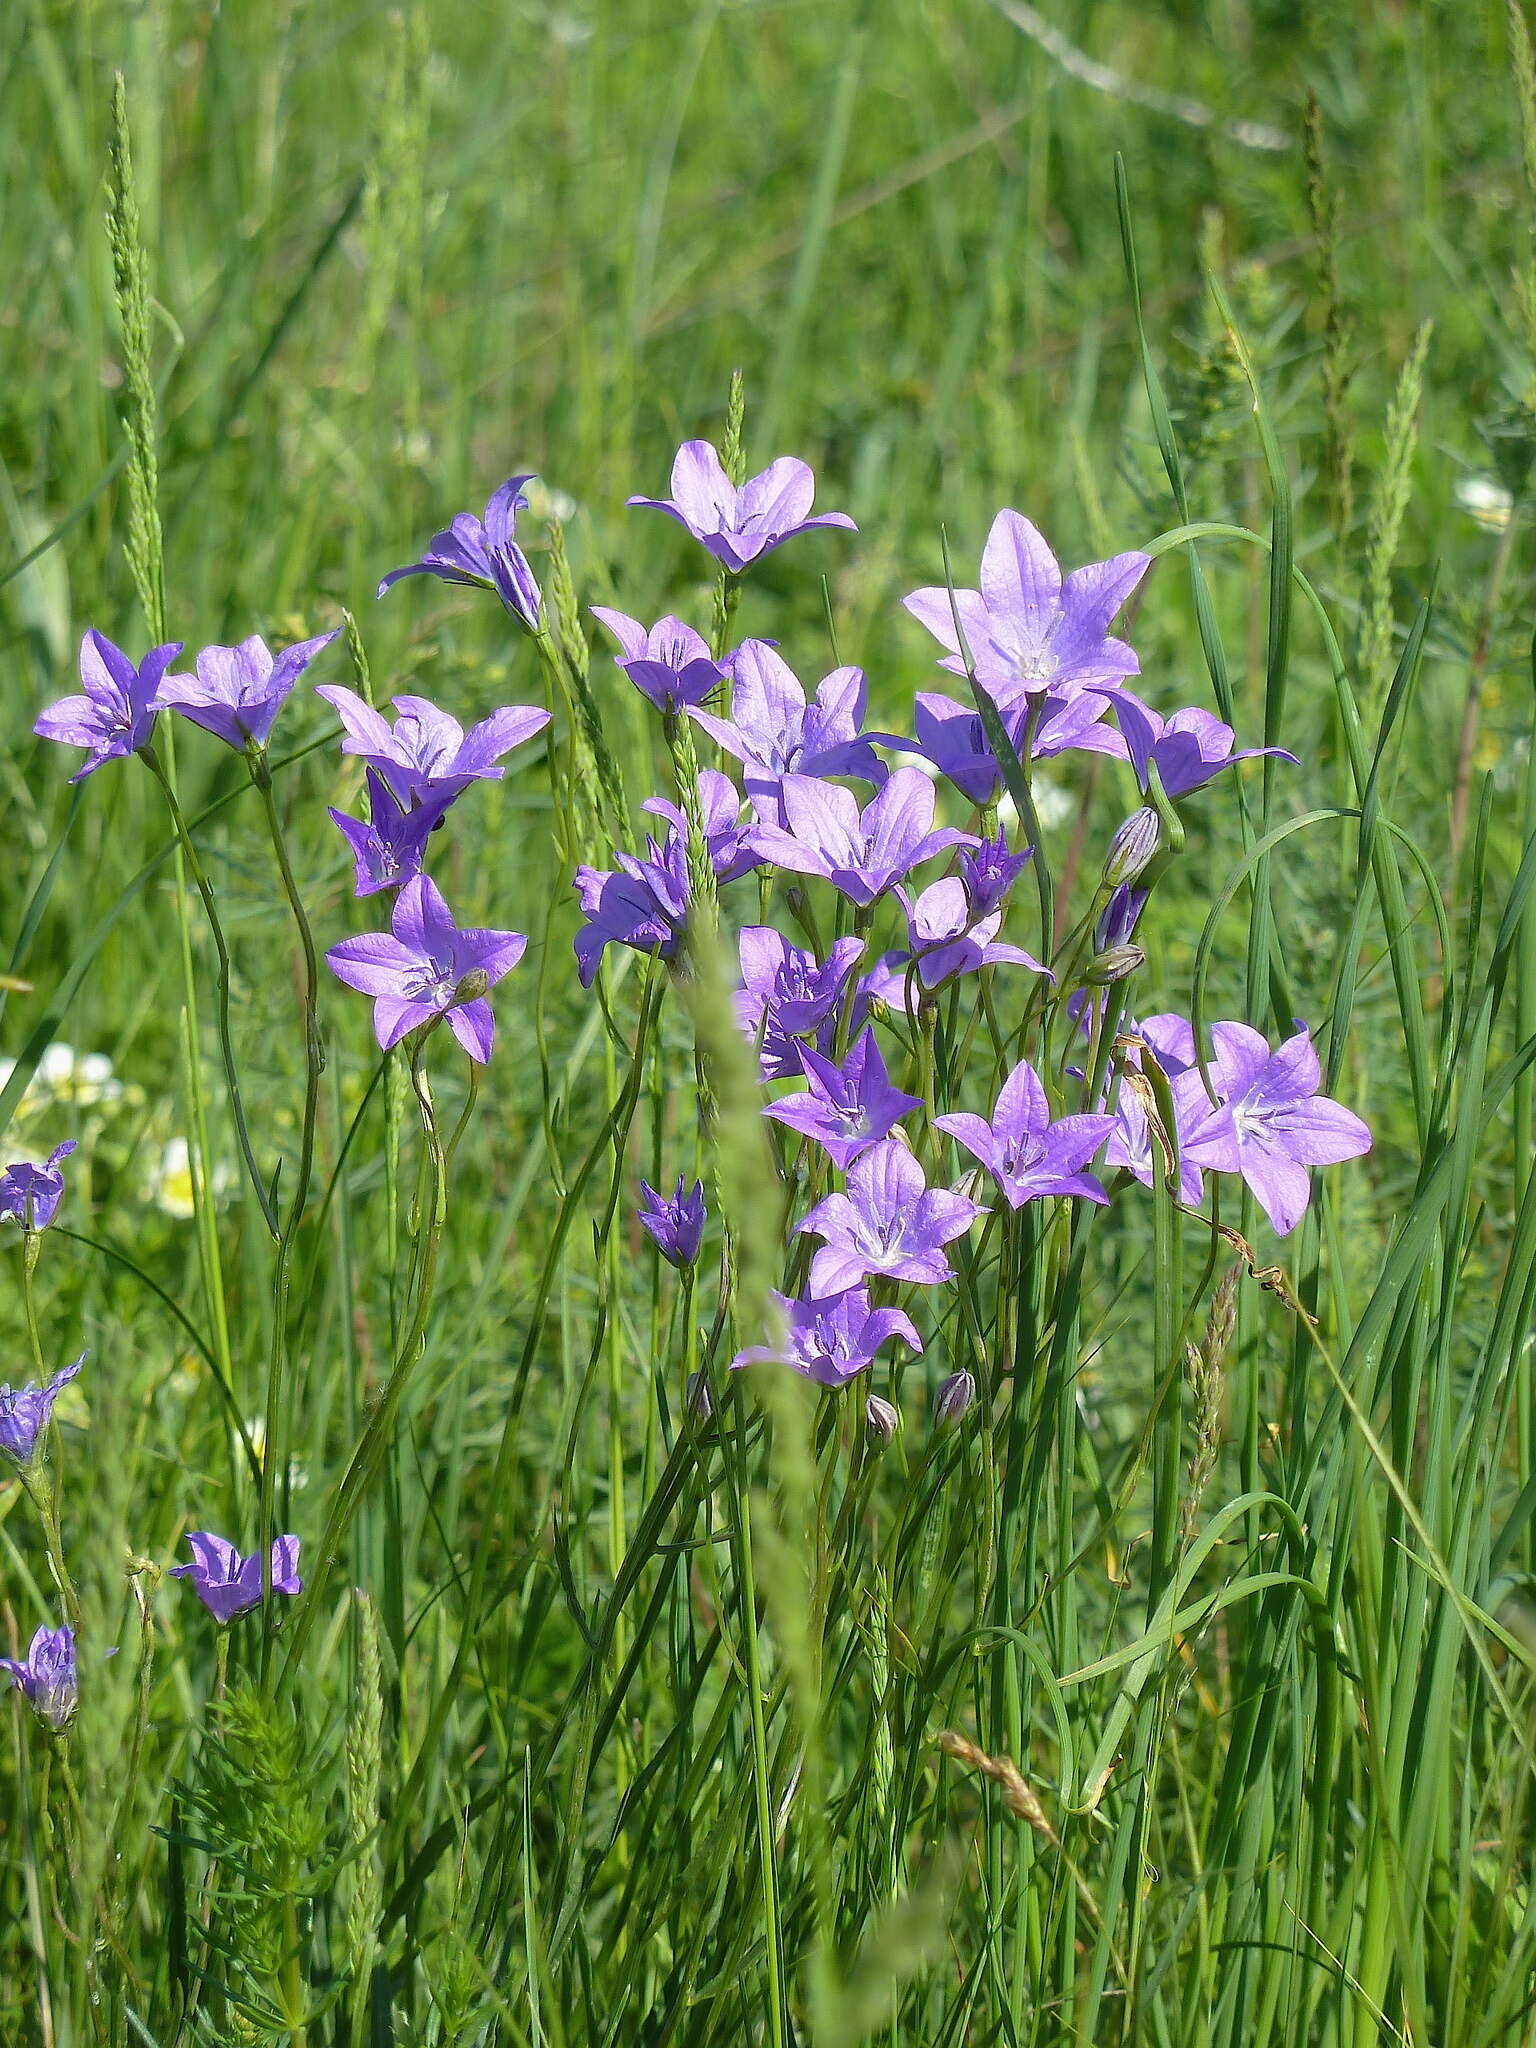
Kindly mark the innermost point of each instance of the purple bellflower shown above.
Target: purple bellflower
(675, 1221)
(116, 715)
(788, 994)
(1028, 628)
(988, 873)
(47, 1678)
(736, 526)
(773, 731)
(25, 1412)
(889, 1222)
(861, 853)
(389, 849)
(229, 1584)
(237, 692)
(427, 753)
(424, 966)
(670, 664)
(484, 555)
(31, 1191)
(832, 1339)
(948, 938)
(848, 1108)
(953, 738)
(727, 837)
(1271, 1125)
(1187, 749)
(643, 904)
(1027, 1154)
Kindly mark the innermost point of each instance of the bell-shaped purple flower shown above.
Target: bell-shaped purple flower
(670, 663)
(861, 853)
(1187, 749)
(427, 754)
(116, 715)
(484, 554)
(1027, 1154)
(832, 1338)
(229, 1584)
(643, 904)
(774, 732)
(1270, 1124)
(424, 966)
(889, 1222)
(728, 838)
(31, 1190)
(1028, 627)
(25, 1412)
(953, 738)
(788, 994)
(846, 1109)
(47, 1679)
(947, 938)
(737, 526)
(390, 847)
(675, 1221)
(237, 692)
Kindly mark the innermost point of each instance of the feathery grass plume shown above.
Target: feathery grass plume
(391, 218)
(130, 274)
(1338, 368)
(1206, 1371)
(596, 769)
(733, 460)
(357, 654)
(1389, 503)
(364, 1780)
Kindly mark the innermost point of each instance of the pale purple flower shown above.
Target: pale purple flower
(484, 554)
(644, 904)
(848, 1108)
(947, 938)
(861, 853)
(729, 840)
(427, 753)
(1028, 628)
(833, 1338)
(882, 1418)
(424, 966)
(1027, 1154)
(737, 526)
(1119, 917)
(788, 994)
(988, 873)
(237, 692)
(116, 715)
(31, 1190)
(1271, 1125)
(25, 1412)
(675, 1221)
(670, 664)
(229, 1584)
(774, 732)
(888, 1222)
(47, 1678)
(953, 738)
(390, 847)
(1187, 749)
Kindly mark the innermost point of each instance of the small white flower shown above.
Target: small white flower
(1486, 500)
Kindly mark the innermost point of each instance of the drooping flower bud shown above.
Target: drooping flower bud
(955, 1397)
(700, 1400)
(1132, 848)
(882, 1418)
(1113, 964)
(470, 987)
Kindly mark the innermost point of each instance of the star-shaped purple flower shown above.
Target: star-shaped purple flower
(889, 1222)
(675, 1221)
(1028, 628)
(737, 526)
(953, 738)
(644, 904)
(729, 840)
(788, 994)
(237, 692)
(1187, 749)
(831, 1339)
(424, 966)
(1271, 1125)
(848, 1108)
(389, 849)
(427, 753)
(31, 1191)
(229, 1584)
(1027, 1154)
(988, 873)
(116, 715)
(484, 555)
(47, 1679)
(670, 664)
(25, 1412)
(861, 853)
(774, 732)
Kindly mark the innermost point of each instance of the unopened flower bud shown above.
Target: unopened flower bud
(470, 987)
(1113, 965)
(954, 1399)
(700, 1400)
(882, 1418)
(1132, 847)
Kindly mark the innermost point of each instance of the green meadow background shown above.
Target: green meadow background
(397, 254)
